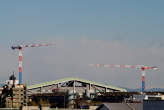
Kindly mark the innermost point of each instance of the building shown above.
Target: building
(69, 92)
(72, 84)
(13, 95)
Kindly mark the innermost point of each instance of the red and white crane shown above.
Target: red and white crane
(20, 48)
(141, 67)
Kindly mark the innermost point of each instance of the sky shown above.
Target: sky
(85, 32)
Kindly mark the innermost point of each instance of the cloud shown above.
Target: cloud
(70, 58)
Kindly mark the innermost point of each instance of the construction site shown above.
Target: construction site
(81, 55)
(77, 93)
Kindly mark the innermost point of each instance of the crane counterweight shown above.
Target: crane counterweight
(16, 47)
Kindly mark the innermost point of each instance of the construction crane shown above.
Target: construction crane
(143, 68)
(20, 48)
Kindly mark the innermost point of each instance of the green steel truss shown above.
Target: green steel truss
(49, 83)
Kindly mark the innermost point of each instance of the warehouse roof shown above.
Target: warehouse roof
(73, 79)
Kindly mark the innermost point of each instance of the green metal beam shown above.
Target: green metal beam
(73, 79)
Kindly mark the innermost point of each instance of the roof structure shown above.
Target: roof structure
(44, 84)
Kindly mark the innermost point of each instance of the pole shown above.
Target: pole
(73, 94)
(143, 80)
(20, 65)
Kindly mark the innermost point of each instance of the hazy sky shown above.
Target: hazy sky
(85, 31)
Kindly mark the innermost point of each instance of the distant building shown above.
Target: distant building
(13, 95)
